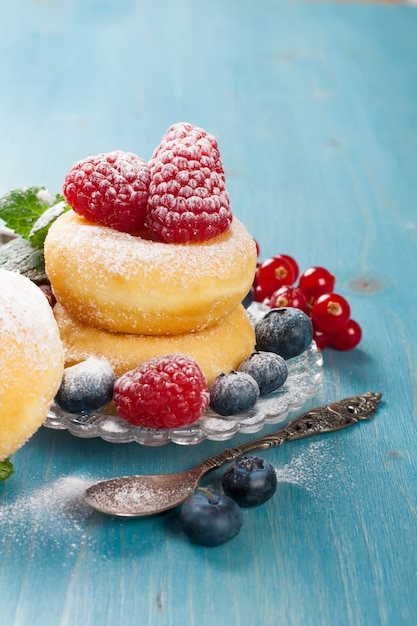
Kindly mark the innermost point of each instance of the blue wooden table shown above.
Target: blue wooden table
(315, 109)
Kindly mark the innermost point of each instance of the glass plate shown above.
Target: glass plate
(304, 374)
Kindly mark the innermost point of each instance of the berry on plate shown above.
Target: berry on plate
(233, 393)
(188, 200)
(292, 262)
(250, 481)
(272, 274)
(286, 331)
(268, 369)
(321, 338)
(287, 295)
(210, 518)
(248, 299)
(165, 392)
(110, 189)
(86, 387)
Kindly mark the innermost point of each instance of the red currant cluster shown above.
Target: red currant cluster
(274, 285)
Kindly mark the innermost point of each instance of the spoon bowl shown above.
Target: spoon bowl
(138, 496)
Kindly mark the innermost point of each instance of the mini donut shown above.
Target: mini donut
(31, 360)
(219, 348)
(131, 284)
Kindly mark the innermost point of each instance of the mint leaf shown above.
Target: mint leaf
(21, 208)
(6, 469)
(18, 255)
(40, 228)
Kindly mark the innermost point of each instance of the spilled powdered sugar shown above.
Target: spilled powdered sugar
(313, 469)
(57, 514)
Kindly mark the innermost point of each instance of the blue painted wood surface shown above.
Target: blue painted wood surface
(314, 107)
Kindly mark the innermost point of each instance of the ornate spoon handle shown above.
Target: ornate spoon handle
(323, 419)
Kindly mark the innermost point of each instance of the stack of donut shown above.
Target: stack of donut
(130, 296)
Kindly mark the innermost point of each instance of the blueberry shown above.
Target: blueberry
(248, 299)
(250, 481)
(86, 386)
(210, 518)
(268, 369)
(286, 331)
(233, 393)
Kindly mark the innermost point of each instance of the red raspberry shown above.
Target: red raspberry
(188, 200)
(165, 392)
(110, 189)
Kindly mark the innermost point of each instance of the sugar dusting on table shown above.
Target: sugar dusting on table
(56, 512)
(313, 469)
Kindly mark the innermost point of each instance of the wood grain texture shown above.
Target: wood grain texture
(314, 109)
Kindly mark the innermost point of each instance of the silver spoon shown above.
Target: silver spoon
(136, 496)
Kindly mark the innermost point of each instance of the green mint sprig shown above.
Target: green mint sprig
(41, 226)
(29, 211)
(6, 469)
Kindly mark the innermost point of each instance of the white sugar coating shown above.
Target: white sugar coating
(31, 359)
(82, 374)
(148, 494)
(56, 512)
(47, 216)
(233, 393)
(126, 351)
(133, 284)
(86, 386)
(116, 253)
(46, 196)
(30, 318)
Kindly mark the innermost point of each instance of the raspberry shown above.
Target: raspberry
(165, 392)
(110, 189)
(188, 200)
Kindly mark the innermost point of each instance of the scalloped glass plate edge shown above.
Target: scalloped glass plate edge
(305, 373)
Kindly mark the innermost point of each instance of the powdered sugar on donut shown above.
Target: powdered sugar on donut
(32, 319)
(31, 360)
(119, 254)
(126, 283)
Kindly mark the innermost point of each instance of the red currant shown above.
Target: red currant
(316, 281)
(274, 273)
(348, 337)
(330, 312)
(288, 296)
(314, 295)
(292, 262)
(259, 295)
(321, 338)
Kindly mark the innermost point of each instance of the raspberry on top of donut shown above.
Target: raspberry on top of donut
(180, 197)
(110, 189)
(188, 200)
